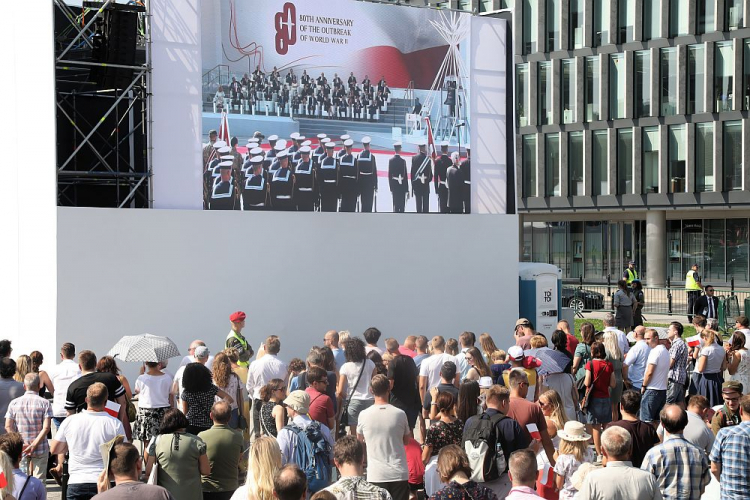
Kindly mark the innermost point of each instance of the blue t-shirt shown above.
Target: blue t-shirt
(34, 490)
(339, 357)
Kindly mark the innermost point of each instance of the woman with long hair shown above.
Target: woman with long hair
(226, 380)
(455, 472)
(563, 383)
(44, 381)
(380, 367)
(555, 417)
(107, 364)
(23, 367)
(709, 368)
(738, 361)
(6, 467)
(468, 400)
(600, 378)
(447, 429)
(272, 410)
(488, 346)
(479, 367)
(354, 395)
(154, 399)
(198, 396)
(615, 356)
(265, 461)
(181, 456)
(582, 354)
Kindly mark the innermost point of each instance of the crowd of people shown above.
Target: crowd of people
(373, 418)
(304, 95)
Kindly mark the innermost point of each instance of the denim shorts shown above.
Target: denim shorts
(356, 406)
(599, 411)
(651, 404)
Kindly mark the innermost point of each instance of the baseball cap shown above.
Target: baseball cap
(298, 401)
(631, 262)
(201, 352)
(485, 382)
(515, 352)
(731, 386)
(237, 316)
(522, 322)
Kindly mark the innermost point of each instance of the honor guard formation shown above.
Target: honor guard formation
(291, 175)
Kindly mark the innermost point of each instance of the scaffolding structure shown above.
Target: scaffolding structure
(104, 129)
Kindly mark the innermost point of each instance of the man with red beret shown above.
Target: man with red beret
(235, 339)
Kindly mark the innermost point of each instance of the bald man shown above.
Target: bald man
(331, 340)
(637, 357)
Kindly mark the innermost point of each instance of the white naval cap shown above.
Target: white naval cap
(397, 144)
(324, 140)
(307, 143)
(281, 154)
(345, 137)
(444, 144)
(330, 144)
(305, 150)
(366, 139)
(220, 144)
(294, 135)
(256, 159)
(300, 138)
(322, 136)
(227, 157)
(272, 138)
(225, 164)
(348, 143)
(256, 151)
(280, 144)
(422, 144)
(225, 149)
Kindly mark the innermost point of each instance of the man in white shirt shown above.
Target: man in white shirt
(297, 406)
(266, 367)
(82, 434)
(467, 341)
(654, 388)
(637, 358)
(429, 370)
(202, 355)
(622, 339)
(62, 375)
(192, 358)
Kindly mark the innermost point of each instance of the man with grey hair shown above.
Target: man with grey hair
(31, 415)
(522, 470)
(191, 358)
(618, 479)
(200, 354)
(622, 339)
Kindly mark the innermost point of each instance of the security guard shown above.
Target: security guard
(630, 273)
(455, 183)
(235, 340)
(421, 177)
(465, 168)
(305, 189)
(282, 184)
(367, 171)
(223, 194)
(693, 287)
(329, 193)
(398, 180)
(348, 178)
(255, 192)
(441, 177)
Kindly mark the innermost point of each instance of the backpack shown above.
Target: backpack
(313, 455)
(484, 449)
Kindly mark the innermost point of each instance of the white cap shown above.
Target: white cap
(224, 150)
(515, 352)
(422, 144)
(227, 157)
(366, 139)
(280, 144)
(307, 143)
(397, 144)
(345, 137)
(294, 135)
(256, 159)
(256, 151)
(330, 144)
(305, 150)
(444, 143)
(272, 138)
(219, 144)
(300, 138)
(324, 140)
(225, 164)
(321, 136)
(348, 143)
(281, 154)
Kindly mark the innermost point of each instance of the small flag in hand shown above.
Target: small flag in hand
(3, 480)
(112, 408)
(534, 431)
(693, 341)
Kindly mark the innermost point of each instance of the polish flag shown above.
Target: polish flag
(534, 431)
(224, 128)
(693, 341)
(3, 480)
(431, 149)
(112, 408)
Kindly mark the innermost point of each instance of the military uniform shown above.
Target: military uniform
(441, 181)
(465, 169)
(455, 183)
(282, 186)
(328, 182)
(223, 193)
(255, 188)
(348, 187)
(421, 176)
(305, 189)
(367, 172)
(398, 180)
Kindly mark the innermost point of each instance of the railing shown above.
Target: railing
(218, 75)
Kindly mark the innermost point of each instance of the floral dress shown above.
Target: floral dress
(742, 375)
(441, 434)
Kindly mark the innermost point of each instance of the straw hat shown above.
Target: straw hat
(574, 431)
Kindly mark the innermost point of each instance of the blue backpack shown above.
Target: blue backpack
(313, 455)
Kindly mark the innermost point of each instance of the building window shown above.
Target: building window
(746, 76)
(714, 250)
(737, 254)
(601, 22)
(650, 160)
(624, 161)
(576, 249)
(553, 25)
(625, 20)
(678, 18)
(723, 76)
(642, 83)
(616, 86)
(557, 243)
(568, 87)
(732, 149)
(541, 242)
(575, 164)
(576, 24)
(552, 165)
(733, 14)
(592, 88)
(595, 249)
(526, 254)
(669, 73)
(706, 16)
(529, 165)
(651, 19)
(530, 18)
(545, 93)
(704, 157)
(677, 157)
(522, 94)
(696, 83)
(599, 163)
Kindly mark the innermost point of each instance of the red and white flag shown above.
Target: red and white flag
(112, 408)
(224, 128)
(534, 431)
(693, 341)
(431, 149)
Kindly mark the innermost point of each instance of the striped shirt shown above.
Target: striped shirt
(681, 469)
(679, 353)
(28, 414)
(732, 451)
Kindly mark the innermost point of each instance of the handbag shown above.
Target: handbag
(153, 477)
(580, 381)
(241, 420)
(585, 400)
(344, 418)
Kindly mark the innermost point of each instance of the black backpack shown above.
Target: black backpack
(483, 447)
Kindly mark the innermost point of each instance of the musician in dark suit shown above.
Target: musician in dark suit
(352, 80)
(224, 193)
(367, 172)
(255, 192)
(455, 183)
(421, 176)
(348, 189)
(441, 177)
(707, 305)
(398, 180)
(465, 168)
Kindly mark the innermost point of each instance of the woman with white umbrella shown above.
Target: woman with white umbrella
(154, 399)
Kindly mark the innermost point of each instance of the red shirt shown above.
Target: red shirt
(414, 462)
(572, 344)
(406, 352)
(321, 406)
(600, 376)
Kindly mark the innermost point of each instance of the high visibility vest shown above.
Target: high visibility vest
(243, 342)
(690, 283)
(632, 275)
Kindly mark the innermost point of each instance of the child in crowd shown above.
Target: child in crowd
(574, 450)
(416, 467)
(499, 365)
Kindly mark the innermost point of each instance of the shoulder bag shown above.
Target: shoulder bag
(241, 420)
(344, 419)
(586, 397)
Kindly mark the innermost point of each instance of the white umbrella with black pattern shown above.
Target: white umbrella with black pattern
(144, 348)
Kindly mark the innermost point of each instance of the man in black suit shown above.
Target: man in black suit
(707, 305)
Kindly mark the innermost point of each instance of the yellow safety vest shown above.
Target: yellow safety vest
(632, 275)
(690, 283)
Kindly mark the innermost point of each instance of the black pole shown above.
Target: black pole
(669, 295)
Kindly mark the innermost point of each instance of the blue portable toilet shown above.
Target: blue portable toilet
(540, 295)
